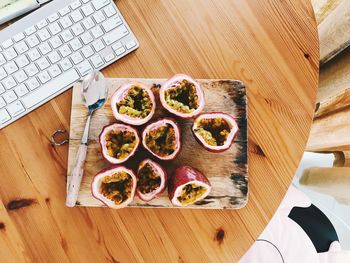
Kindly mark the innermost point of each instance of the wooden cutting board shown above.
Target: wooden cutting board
(227, 171)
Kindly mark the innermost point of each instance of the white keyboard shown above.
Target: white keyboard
(46, 52)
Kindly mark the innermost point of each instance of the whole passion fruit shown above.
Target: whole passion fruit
(115, 187)
(182, 96)
(162, 139)
(187, 186)
(133, 104)
(151, 180)
(215, 131)
(118, 142)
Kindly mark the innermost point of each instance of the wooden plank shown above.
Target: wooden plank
(323, 8)
(272, 46)
(333, 181)
(228, 174)
(334, 32)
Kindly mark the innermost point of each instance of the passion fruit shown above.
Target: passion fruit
(151, 180)
(182, 96)
(133, 104)
(215, 131)
(115, 187)
(118, 142)
(162, 139)
(187, 186)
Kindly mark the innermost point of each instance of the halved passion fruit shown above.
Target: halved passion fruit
(118, 142)
(162, 139)
(187, 186)
(133, 104)
(151, 180)
(182, 96)
(115, 187)
(215, 131)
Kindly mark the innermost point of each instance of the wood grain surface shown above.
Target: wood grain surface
(272, 46)
(228, 172)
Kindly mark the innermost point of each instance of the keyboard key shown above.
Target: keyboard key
(43, 63)
(33, 83)
(54, 71)
(115, 35)
(54, 57)
(11, 67)
(20, 76)
(22, 61)
(44, 34)
(9, 82)
(98, 45)
(67, 36)
(111, 23)
(66, 22)
(65, 51)
(64, 11)
(77, 29)
(109, 57)
(97, 61)
(84, 68)
(4, 116)
(31, 70)
(75, 5)
(41, 24)
(45, 48)
(109, 10)
(120, 51)
(2, 103)
(3, 73)
(55, 28)
(88, 23)
(30, 30)
(87, 9)
(99, 17)
(44, 77)
(98, 4)
(21, 90)
(76, 58)
(15, 108)
(66, 64)
(33, 41)
(87, 51)
(2, 59)
(97, 31)
(55, 42)
(33, 54)
(53, 17)
(18, 37)
(51, 88)
(86, 38)
(2, 89)
(130, 44)
(10, 53)
(76, 16)
(75, 44)
(9, 96)
(7, 43)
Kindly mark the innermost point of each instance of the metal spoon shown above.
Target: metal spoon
(94, 95)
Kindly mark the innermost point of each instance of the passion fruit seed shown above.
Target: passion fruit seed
(190, 193)
(182, 97)
(148, 179)
(214, 131)
(137, 103)
(120, 143)
(162, 140)
(117, 187)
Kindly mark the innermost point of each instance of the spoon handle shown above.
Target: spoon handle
(76, 176)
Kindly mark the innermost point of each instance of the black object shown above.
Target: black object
(316, 225)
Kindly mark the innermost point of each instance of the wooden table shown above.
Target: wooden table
(271, 45)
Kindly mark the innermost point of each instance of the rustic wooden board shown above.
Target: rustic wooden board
(226, 171)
